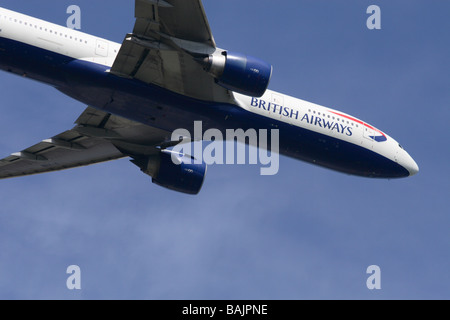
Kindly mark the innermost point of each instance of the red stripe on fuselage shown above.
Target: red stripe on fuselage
(359, 121)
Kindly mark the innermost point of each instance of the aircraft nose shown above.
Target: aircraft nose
(409, 164)
(413, 168)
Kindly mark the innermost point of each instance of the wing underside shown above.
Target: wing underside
(97, 137)
(164, 47)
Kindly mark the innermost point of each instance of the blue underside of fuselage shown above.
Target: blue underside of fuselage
(91, 84)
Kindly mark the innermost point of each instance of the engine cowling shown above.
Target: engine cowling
(174, 171)
(240, 73)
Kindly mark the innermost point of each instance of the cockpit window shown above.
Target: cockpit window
(400, 146)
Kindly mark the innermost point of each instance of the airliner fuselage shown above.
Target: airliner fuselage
(79, 65)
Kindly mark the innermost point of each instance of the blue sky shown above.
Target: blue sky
(305, 233)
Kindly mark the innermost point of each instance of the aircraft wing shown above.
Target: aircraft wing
(97, 137)
(168, 35)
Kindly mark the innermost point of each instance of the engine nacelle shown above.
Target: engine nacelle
(240, 73)
(178, 173)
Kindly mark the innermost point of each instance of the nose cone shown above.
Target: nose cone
(413, 168)
(409, 164)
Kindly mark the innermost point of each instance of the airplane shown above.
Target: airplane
(166, 74)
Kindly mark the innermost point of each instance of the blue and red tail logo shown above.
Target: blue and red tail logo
(378, 135)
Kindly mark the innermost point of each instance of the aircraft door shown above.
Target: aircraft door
(368, 134)
(277, 105)
(101, 48)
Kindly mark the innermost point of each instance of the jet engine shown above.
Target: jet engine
(173, 171)
(237, 72)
